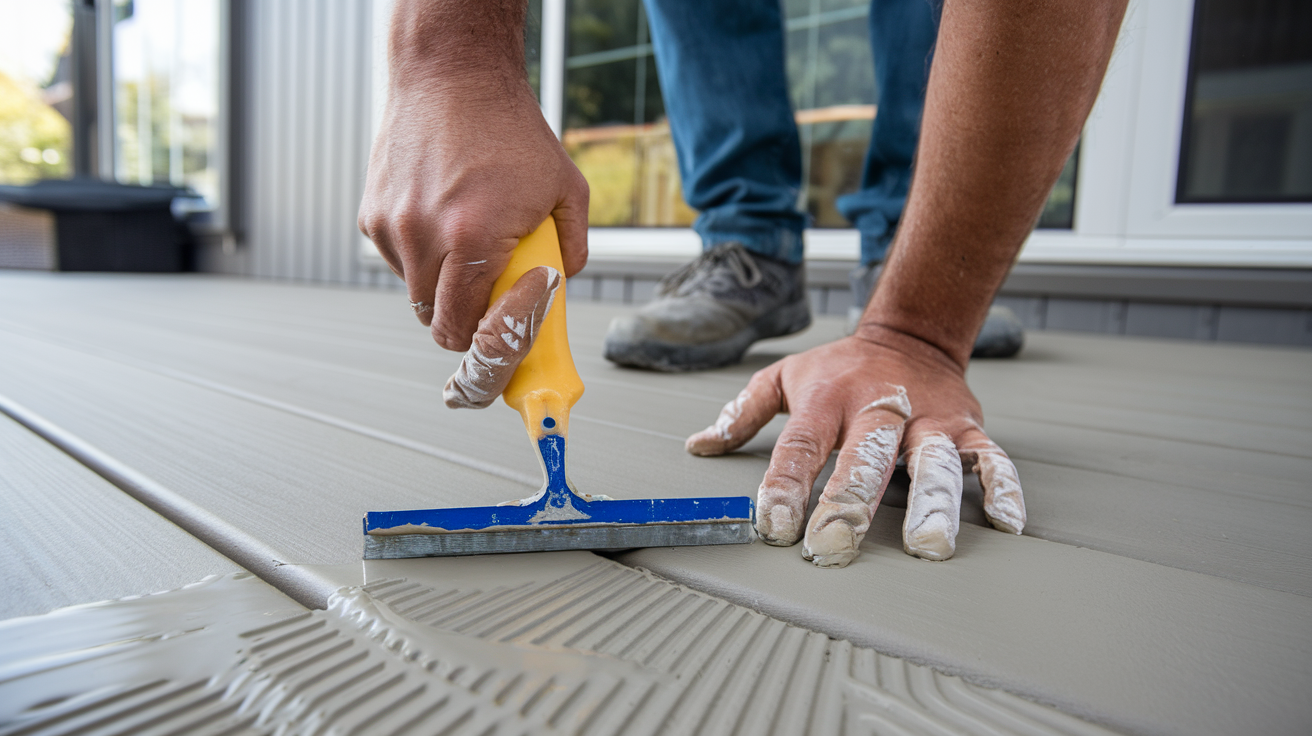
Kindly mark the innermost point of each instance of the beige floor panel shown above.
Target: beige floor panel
(1162, 586)
(69, 536)
(1201, 504)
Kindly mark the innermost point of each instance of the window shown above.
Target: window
(36, 90)
(166, 94)
(616, 132)
(614, 126)
(1248, 118)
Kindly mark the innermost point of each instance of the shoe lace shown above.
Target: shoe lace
(732, 256)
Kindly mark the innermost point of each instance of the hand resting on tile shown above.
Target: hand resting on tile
(1009, 89)
(876, 395)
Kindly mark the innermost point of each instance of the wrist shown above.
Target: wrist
(894, 335)
(458, 45)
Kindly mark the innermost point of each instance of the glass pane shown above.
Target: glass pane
(614, 118)
(1059, 211)
(616, 133)
(36, 91)
(533, 46)
(166, 93)
(832, 80)
(1248, 125)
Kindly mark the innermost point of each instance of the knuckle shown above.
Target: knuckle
(371, 223)
(460, 228)
(798, 443)
(408, 225)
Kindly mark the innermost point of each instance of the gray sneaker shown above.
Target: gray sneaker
(1001, 336)
(706, 314)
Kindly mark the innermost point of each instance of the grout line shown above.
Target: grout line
(377, 434)
(1158, 438)
(115, 356)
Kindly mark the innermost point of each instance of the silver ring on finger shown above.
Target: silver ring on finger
(421, 307)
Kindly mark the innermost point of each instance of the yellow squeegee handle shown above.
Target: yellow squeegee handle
(546, 384)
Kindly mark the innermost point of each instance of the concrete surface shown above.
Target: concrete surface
(542, 644)
(1163, 585)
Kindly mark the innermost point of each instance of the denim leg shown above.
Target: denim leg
(902, 34)
(723, 78)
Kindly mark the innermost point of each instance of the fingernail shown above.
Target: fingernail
(778, 526)
(1006, 510)
(932, 540)
(833, 545)
(703, 444)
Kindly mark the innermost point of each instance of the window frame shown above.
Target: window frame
(219, 219)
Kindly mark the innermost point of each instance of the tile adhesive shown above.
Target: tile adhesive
(567, 644)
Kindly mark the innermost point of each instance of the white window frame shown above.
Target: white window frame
(1125, 209)
(220, 210)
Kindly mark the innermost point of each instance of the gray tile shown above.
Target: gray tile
(611, 289)
(643, 291)
(582, 288)
(71, 537)
(838, 300)
(818, 299)
(259, 396)
(1085, 315)
(1267, 326)
(1181, 321)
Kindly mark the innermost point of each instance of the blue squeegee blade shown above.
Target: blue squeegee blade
(558, 519)
(644, 511)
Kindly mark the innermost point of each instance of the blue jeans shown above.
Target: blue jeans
(721, 65)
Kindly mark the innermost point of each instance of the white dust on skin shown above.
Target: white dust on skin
(716, 438)
(518, 328)
(464, 389)
(934, 503)
(843, 515)
(848, 503)
(486, 368)
(1004, 505)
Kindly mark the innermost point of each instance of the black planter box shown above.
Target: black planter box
(105, 226)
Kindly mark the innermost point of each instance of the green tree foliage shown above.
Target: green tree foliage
(34, 138)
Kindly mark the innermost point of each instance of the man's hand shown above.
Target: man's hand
(1009, 89)
(876, 395)
(464, 164)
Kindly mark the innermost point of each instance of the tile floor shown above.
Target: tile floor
(1163, 584)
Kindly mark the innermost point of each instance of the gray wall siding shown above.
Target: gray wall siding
(303, 136)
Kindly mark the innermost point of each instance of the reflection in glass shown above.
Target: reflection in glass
(1059, 211)
(166, 93)
(36, 92)
(1248, 124)
(616, 133)
(533, 46)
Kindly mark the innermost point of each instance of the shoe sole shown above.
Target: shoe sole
(675, 358)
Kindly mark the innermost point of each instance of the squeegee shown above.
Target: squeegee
(543, 389)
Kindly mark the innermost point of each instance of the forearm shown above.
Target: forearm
(434, 45)
(1011, 85)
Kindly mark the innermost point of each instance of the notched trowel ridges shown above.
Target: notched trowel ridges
(597, 648)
